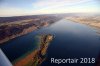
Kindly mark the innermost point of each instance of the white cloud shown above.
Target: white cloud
(56, 3)
(62, 6)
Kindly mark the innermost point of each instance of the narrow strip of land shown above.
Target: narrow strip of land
(36, 57)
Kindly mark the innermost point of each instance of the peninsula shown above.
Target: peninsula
(39, 55)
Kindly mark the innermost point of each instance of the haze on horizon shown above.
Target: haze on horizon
(33, 7)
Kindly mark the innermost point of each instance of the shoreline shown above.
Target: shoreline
(18, 26)
(37, 56)
(94, 25)
(27, 53)
(22, 61)
(24, 32)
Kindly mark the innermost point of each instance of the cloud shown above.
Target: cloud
(56, 3)
(63, 6)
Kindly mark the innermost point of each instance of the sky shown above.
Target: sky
(33, 7)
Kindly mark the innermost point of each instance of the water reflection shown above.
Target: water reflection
(71, 40)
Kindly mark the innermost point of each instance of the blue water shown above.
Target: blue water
(20, 46)
(72, 40)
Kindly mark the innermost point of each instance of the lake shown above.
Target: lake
(72, 40)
